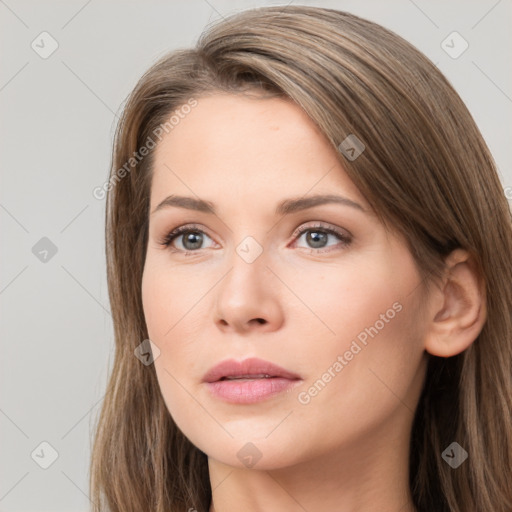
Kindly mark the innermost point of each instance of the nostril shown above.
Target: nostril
(260, 320)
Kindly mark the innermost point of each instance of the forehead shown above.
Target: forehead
(266, 146)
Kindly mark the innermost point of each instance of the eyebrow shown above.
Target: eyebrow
(285, 207)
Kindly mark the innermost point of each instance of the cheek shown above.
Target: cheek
(372, 297)
(363, 297)
(171, 304)
(172, 307)
(368, 367)
(168, 301)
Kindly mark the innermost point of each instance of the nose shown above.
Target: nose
(248, 297)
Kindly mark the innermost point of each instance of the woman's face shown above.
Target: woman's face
(337, 306)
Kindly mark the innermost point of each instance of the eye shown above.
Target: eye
(192, 238)
(317, 236)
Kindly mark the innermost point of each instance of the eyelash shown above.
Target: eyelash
(194, 228)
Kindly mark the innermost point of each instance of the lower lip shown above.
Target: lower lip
(250, 391)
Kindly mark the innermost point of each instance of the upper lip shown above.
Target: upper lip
(247, 367)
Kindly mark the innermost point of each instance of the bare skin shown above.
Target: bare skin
(301, 304)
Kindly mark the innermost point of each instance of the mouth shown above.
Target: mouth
(248, 369)
(249, 377)
(248, 381)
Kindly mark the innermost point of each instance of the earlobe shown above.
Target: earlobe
(458, 308)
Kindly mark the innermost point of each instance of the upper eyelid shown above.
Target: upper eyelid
(317, 224)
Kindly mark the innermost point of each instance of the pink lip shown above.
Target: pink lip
(254, 387)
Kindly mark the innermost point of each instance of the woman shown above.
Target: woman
(309, 265)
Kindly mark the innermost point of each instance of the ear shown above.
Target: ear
(458, 308)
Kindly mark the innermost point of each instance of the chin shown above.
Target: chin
(251, 453)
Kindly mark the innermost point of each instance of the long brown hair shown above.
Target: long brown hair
(425, 170)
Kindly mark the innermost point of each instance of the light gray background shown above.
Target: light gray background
(57, 121)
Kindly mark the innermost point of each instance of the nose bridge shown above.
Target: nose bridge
(246, 293)
(250, 250)
(247, 263)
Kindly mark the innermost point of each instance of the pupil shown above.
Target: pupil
(317, 238)
(189, 238)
